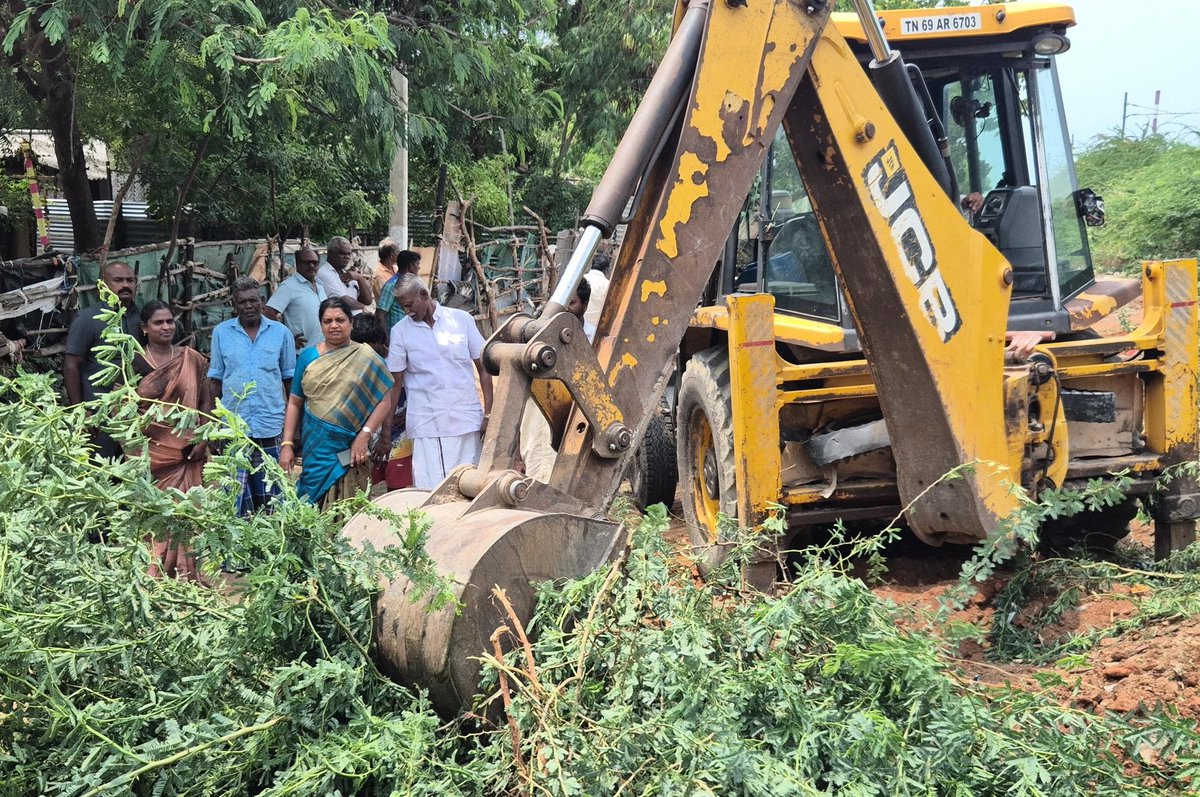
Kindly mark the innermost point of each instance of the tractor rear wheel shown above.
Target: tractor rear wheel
(704, 443)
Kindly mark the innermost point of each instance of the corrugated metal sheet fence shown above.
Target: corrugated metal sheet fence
(136, 227)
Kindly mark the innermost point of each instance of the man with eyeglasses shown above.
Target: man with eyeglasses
(297, 300)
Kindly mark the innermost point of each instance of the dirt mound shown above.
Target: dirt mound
(1156, 664)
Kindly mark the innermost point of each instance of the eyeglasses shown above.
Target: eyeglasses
(308, 262)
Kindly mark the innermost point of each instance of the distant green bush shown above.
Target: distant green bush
(1151, 190)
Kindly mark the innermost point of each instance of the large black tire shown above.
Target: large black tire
(1096, 531)
(704, 442)
(653, 475)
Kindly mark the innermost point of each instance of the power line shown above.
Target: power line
(1161, 112)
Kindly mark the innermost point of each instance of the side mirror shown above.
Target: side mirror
(1090, 207)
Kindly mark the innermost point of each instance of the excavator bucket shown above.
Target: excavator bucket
(478, 550)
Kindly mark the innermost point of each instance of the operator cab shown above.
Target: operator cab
(1007, 132)
(992, 76)
(993, 83)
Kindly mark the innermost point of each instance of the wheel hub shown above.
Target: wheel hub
(711, 483)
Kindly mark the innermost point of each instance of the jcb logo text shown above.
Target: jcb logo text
(892, 194)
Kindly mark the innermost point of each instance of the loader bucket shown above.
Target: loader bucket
(477, 550)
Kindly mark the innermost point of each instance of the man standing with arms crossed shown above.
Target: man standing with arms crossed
(253, 359)
(431, 354)
(337, 279)
(297, 299)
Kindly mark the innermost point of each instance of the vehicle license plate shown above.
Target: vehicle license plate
(941, 23)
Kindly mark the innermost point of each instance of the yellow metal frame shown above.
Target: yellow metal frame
(1171, 392)
(1169, 364)
(752, 376)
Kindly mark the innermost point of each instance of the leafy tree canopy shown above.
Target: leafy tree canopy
(268, 113)
(283, 116)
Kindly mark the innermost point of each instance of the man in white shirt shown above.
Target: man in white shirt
(430, 354)
(597, 279)
(536, 450)
(297, 299)
(337, 279)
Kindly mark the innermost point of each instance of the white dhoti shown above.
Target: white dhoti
(535, 443)
(435, 457)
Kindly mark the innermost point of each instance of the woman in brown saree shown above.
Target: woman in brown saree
(172, 374)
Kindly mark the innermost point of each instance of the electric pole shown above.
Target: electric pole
(398, 178)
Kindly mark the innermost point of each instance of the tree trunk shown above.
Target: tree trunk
(72, 169)
(439, 199)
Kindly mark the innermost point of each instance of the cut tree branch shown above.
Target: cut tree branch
(244, 59)
(480, 118)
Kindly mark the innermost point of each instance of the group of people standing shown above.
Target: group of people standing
(294, 370)
(315, 376)
(357, 369)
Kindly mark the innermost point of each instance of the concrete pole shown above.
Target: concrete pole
(398, 179)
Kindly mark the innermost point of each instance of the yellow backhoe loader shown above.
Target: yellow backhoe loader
(840, 335)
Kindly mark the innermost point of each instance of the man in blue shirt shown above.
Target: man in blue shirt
(253, 359)
(387, 309)
(296, 300)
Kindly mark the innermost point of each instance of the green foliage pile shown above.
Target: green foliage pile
(113, 682)
(1042, 591)
(1151, 190)
(643, 683)
(641, 680)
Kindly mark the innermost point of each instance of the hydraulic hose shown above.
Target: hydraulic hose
(891, 78)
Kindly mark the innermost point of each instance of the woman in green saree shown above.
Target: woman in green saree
(341, 390)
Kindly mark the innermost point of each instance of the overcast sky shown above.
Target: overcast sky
(1119, 46)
